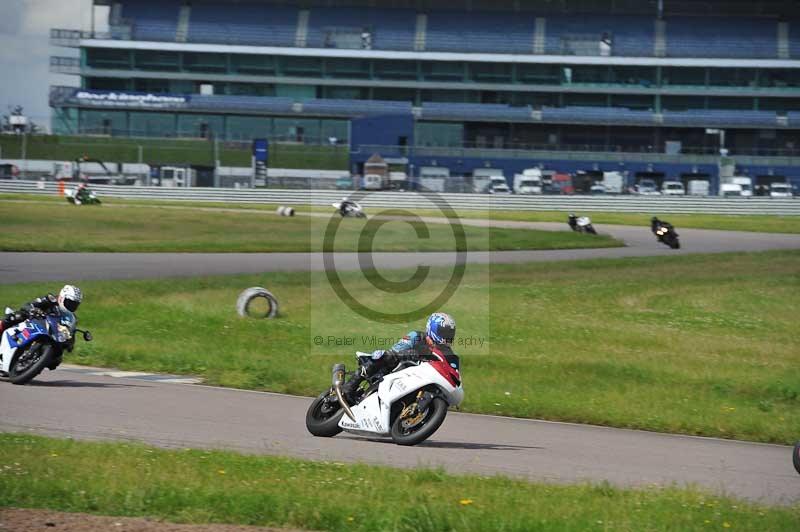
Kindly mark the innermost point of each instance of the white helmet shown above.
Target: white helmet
(69, 298)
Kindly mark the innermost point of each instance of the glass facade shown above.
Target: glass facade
(141, 61)
(300, 78)
(70, 121)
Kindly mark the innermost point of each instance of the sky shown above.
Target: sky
(25, 51)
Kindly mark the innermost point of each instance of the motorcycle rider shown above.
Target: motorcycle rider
(572, 220)
(68, 300)
(440, 331)
(346, 205)
(82, 192)
(655, 223)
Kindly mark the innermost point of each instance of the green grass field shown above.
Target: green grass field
(703, 345)
(58, 226)
(175, 152)
(194, 486)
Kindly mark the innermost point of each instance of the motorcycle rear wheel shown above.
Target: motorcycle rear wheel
(319, 422)
(434, 417)
(796, 457)
(41, 354)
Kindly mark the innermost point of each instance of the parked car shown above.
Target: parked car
(647, 187)
(597, 189)
(344, 183)
(780, 190)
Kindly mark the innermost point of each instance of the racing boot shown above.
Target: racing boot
(350, 388)
(368, 368)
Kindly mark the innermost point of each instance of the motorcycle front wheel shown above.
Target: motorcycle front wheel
(411, 431)
(322, 417)
(29, 362)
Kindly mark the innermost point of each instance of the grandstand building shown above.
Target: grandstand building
(649, 87)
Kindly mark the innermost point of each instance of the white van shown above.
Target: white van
(498, 185)
(730, 190)
(528, 182)
(698, 187)
(673, 188)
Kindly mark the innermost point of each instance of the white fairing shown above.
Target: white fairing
(6, 351)
(583, 221)
(372, 414)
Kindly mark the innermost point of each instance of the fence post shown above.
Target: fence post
(216, 163)
(140, 158)
(24, 154)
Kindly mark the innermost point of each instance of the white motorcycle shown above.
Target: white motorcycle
(351, 209)
(581, 224)
(408, 405)
(77, 196)
(39, 342)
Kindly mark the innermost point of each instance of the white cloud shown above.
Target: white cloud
(25, 50)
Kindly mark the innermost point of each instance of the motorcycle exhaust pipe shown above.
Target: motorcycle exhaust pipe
(338, 380)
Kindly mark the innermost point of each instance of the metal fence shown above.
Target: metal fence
(410, 200)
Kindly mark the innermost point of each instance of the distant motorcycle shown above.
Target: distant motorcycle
(665, 233)
(81, 196)
(39, 342)
(349, 209)
(581, 224)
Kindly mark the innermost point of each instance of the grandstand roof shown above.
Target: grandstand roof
(648, 7)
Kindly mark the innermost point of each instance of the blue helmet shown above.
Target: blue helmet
(441, 328)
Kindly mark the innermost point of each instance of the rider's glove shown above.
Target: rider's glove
(377, 354)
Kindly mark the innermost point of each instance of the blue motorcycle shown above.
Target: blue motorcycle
(39, 342)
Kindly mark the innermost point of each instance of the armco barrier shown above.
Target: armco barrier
(410, 200)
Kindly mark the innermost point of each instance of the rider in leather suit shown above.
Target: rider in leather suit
(68, 300)
(440, 330)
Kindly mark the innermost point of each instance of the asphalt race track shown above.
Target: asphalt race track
(25, 267)
(83, 404)
(77, 403)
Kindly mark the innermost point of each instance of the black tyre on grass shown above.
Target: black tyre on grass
(322, 418)
(30, 361)
(433, 417)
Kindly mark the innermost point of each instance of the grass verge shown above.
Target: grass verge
(194, 486)
(751, 223)
(702, 345)
(62, 227)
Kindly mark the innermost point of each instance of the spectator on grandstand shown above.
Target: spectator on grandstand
(605, 45)
(366, 40)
